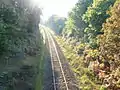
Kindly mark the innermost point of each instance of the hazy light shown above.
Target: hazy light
(58, 7)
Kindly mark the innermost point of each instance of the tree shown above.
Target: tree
(19, 21)
(110, 40)
(56, 23)
(95, 16)
(110, 44)
(75, 25)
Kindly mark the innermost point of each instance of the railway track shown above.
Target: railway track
(59, 79)
(62, 76)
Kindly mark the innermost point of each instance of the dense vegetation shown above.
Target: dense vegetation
(95, 16)
(18, 26)
(75, 25)
(56, 23)
(91, 43)
(92, 36)
(19, 38)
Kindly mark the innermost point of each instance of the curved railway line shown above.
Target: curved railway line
(61, 76)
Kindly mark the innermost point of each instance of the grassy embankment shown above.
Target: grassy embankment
(85, 77)
(39, 79)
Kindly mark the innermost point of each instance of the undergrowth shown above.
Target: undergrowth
(85, 77)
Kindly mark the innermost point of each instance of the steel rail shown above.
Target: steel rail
(53, 74)
(62, 71)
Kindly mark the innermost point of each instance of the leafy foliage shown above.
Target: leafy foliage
(95, 16)
(75, 25)
(110, 44)
(19, 37)
(100, 50)
(18, 26)
(56, 23)
(109, 41)
(85, 77)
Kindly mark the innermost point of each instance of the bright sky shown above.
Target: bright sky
(58, 7)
